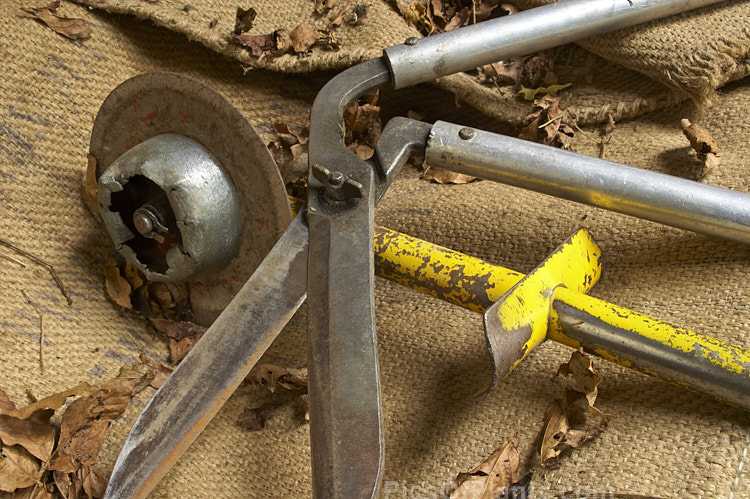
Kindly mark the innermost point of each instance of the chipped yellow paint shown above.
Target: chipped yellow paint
(524, 311)
(724, 355)
(457, 278)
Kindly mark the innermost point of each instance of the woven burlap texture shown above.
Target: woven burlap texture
(688, 55)
(662, 441)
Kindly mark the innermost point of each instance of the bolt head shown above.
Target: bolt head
(143, 223)
(412, 40)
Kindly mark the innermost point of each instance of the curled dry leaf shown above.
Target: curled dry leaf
(255, 419)
(272, 376)
(243, 22)
(445, 176)
(6, 404)
(118, 288)
(705, 146)
(416, 13)
(35, 433)
(18, 468)
(492, 477)
(362, 125)
(182, 336)
(547, 124)
(300, 40)
(573, 419)
(303, 37)
(75, 29)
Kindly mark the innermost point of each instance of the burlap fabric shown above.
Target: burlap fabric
(662, 441)
(692, 54)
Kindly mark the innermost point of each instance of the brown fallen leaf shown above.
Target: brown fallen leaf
(323, 6)
(305, 399)
(182, 336)
(244, 19)
(258, 44)
(84, 424)
(573, 420)
(490, 478)
(6, 404)
(35, 433)
(362, 125)
(90, 187)
(547, 124)
(75, 29)
(441, 176)
(118, 288)
(53, 402)
(705, 146)
(303, 37)
(161, 372)
(272, 376)
(336, 19)
(416, 13)
(18, 468)
(38, 491)
(255, 419)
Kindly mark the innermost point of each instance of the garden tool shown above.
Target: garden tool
(346, 433)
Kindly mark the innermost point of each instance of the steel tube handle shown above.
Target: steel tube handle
(666, 199)
(520, 34)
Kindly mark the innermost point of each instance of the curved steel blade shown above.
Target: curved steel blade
(213, 369)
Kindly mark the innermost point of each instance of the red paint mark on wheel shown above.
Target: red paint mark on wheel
(146, 120)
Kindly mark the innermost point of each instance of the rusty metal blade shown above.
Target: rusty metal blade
(213, 369)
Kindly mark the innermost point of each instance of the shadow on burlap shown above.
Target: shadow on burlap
(662, 441)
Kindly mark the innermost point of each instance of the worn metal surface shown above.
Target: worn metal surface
(210, 373)
(159, 103)
(677, 355)
(170, 208)
(400, 139)
(346, 429)
(526, 32)
(517, 322)
(613, 186)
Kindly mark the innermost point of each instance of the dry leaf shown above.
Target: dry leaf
(243, 22)
(54, 401)
(161, 372)
(323, 6)
(705, 146)
(337, 18)
(546, 124)
(416, 13)
(118, 288)
(84, 424)
(303, 37)
(37, 491)
(490, 478)
(18, 468)
(258, 44)
(255, 419)
(35, 434)
(446, 176)
(182, 336)
(362, 124)
(90, 187)
(272, 376)
(305, 398)
(75, 29)
(531, 93)
(93, 481)
(6, 404)
(573, 419)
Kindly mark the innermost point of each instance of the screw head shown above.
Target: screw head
(412, 40)
(466, 133)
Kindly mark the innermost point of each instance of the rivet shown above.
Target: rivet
(412, 40)
(466, 133)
